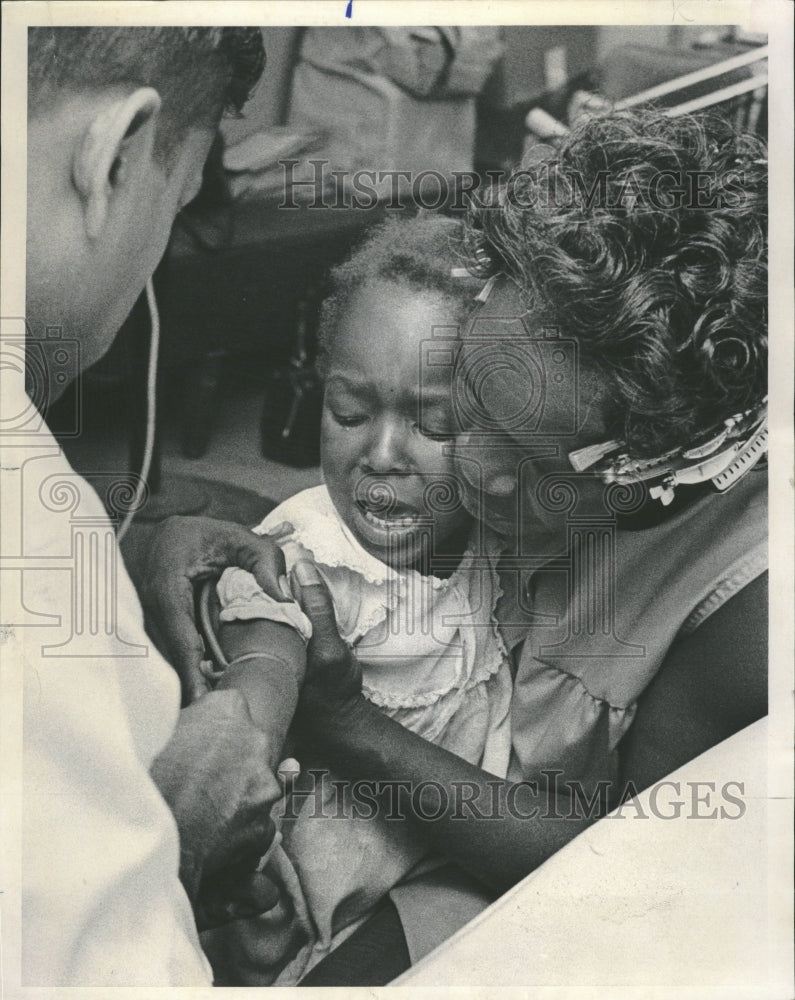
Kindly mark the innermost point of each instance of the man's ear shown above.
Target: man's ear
(99, 162)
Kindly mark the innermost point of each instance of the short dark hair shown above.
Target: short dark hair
(198, 72)
(423, 253)
(668, 300)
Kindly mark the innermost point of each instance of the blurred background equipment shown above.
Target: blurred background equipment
(723, 75)
(394, 99)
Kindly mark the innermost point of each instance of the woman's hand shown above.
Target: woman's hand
(214, 774)
(332, 688)
(182, 551)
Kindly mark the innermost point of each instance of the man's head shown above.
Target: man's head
(120, 121)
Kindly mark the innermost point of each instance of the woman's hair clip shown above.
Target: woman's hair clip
(586, 458)
(724, 454)
(487, 288)
(488, 283)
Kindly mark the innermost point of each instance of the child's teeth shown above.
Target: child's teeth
(392, 522)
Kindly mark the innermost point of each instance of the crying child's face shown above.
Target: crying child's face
(388, 425)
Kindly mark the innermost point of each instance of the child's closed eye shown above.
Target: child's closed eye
(348, 419)
(436, 432)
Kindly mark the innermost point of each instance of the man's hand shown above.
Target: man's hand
(332, 687)
(214, 774)
(182, 551)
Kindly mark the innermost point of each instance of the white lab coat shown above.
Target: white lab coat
(101, 900)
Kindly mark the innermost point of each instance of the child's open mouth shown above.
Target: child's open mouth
(397, 515)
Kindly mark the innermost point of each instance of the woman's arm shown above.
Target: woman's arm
(497, 831)
(358, 741)
(711, 685)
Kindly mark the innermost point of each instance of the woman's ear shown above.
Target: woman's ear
(99, 163)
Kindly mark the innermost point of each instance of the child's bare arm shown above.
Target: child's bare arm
(269, 676)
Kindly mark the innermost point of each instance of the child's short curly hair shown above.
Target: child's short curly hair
(645, 238)
(424, 253)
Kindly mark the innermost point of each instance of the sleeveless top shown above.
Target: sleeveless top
(586, 647)
(578, 680)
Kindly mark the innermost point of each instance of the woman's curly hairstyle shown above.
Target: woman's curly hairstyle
(645, 238)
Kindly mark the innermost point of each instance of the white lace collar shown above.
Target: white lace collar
(311, 519)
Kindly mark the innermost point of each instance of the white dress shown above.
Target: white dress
(432, 659)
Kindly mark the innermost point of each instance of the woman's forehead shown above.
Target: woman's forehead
(519, 375)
